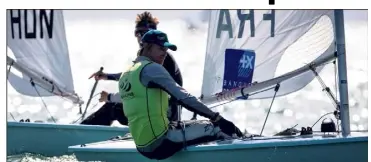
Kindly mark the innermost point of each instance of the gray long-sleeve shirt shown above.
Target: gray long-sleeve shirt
(169, 64)
(155, 76)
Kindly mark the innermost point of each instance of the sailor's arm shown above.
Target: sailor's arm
(115, 76)
(114, 97)
(155, 76)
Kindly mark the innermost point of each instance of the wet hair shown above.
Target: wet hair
(146, 19)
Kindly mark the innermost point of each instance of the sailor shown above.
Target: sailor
(112, 109)
(144, 88)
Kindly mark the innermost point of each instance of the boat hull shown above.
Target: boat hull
(263, 150)
(53, 139)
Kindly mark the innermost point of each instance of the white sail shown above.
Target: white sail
(38, 41)
(247, 46)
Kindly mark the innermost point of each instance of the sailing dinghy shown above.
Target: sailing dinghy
(240, 64)
(37, 39)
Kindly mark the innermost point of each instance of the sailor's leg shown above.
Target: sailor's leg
(193, 132)
(181, 135)
(103, 116)
(119, 114)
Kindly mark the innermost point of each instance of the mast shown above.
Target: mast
(342, 69)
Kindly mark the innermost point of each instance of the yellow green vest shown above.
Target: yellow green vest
(145, 108)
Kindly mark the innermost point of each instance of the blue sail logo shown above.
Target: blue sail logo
(238, 69)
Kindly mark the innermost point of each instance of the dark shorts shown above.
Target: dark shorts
(105, 115)
(181, 135)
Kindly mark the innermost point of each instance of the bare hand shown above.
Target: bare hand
(103, 96)
(99, 76)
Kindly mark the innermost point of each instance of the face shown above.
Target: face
(157, 53)
(139, 32)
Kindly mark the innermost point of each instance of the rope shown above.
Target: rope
(270, 107)
(7, 76)
(321, 118)
(12, 116)
(42, 100)
(194, 117)
(330, 95)
(10, 67)
(80, 118)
